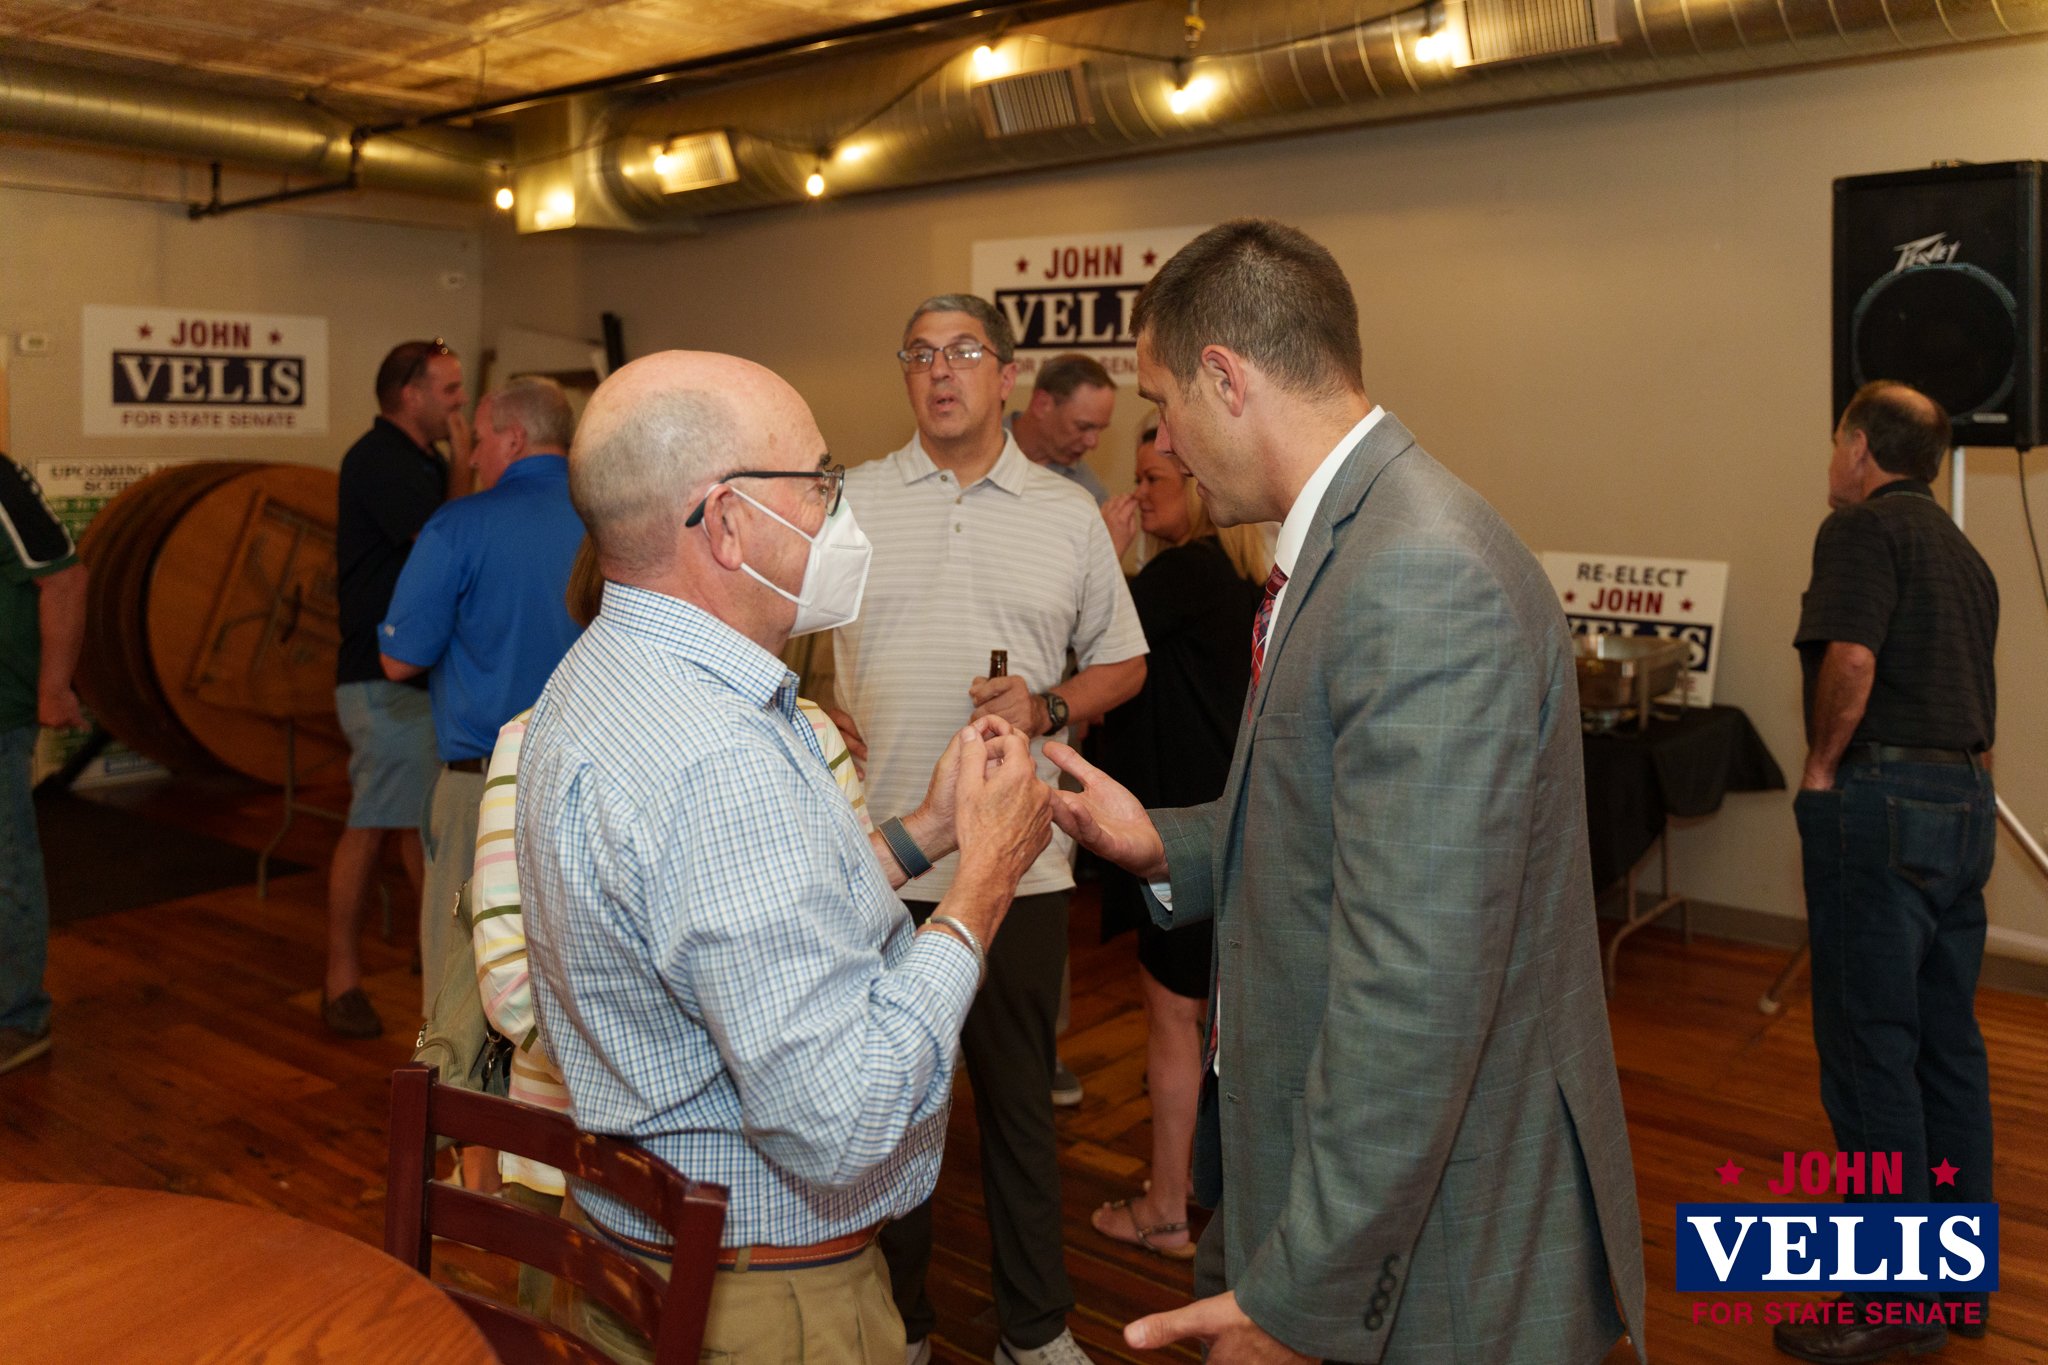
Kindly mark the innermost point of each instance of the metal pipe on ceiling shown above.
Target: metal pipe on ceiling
(1332, 76)
(208, 125)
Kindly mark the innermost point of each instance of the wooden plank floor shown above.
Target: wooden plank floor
(190, 1057)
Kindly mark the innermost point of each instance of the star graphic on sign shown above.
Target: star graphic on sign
(1944, 1174)
(143, 331)
(275, 336)
(1730, 1173)
(1571, 597)
(1151, 256)
(1023, 264)
(1686, 605)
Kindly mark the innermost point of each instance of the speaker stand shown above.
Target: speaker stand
(2012, 822)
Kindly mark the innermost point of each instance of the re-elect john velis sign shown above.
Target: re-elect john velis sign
(1074, 292)
(198, 372)
(1639, 595)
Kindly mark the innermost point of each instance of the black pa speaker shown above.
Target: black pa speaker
(1939, 284)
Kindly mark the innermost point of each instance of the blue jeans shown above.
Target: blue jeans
(1896, 858)
(24, 904)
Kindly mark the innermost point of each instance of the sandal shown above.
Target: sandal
(1143, 1235)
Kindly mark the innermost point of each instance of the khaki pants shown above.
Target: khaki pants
(536, 1287)
(449, 840)
(830, 1315)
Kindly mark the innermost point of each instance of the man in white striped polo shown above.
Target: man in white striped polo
(978, 549)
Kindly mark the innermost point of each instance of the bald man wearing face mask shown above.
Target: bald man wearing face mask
(720, 965)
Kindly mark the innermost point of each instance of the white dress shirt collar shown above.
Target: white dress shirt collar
(1294, 530)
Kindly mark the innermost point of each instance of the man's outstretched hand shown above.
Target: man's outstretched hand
(1105, 817)
(1218, 1323)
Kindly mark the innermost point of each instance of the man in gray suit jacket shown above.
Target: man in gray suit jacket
(1413, 1108)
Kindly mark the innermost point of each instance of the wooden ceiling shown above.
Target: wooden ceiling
(399, 56)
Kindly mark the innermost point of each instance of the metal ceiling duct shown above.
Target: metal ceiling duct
(826, 118)
(179, 120)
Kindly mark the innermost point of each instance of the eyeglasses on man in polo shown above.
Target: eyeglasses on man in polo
(961, 355)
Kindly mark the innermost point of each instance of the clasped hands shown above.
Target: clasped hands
(985, 780)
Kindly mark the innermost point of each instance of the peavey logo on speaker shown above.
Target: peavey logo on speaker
(1931, 250)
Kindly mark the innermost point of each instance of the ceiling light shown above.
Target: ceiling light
(815, 186)
(991, 61)
(852, 152)
(1432, 47)
(694, 161)
(503, 198)
(1192, 95)
(558, 210)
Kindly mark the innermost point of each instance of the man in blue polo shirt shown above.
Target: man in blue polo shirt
(480, 608)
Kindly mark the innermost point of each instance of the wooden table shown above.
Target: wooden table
(100, 1273)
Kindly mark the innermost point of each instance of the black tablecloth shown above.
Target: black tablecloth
(1635, 779)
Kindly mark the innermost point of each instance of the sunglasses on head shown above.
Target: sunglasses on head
(427, 350)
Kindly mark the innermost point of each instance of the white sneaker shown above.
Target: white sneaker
(918, 1352)
(1061, 1350)
(1066, 1086)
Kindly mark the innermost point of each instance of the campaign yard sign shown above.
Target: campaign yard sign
(76, 489)
(198, 372)
(1074, 292)
(1639, 595)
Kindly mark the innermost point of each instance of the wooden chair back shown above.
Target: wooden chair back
(419, 1209)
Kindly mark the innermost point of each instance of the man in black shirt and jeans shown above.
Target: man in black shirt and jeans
(391, 482)
(1896, 826)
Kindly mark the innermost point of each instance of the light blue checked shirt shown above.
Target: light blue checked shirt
(718, 963)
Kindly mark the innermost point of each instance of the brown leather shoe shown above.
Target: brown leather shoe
(1833, 1343)
(351, 1015)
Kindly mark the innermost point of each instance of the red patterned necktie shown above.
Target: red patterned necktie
(1261, 624)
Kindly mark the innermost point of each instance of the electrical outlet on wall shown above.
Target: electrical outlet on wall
(33, 343)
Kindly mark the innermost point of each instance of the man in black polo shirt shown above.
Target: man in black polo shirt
(1896, 827)
(391, 482)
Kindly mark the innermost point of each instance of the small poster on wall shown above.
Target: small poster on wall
(76, 490)
(1637, 595)
(1074, 292)
(196, 372)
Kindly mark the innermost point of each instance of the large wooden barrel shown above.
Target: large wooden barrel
(211, 619)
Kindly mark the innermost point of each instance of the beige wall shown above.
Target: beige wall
(1610, 316)
(72, 240)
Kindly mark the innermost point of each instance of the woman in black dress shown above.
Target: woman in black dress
(1171, 745)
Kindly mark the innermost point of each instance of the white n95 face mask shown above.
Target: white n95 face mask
(835, 574)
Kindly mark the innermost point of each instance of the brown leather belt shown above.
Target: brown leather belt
(762, 1257)
(797, 1258)
(465, 765)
